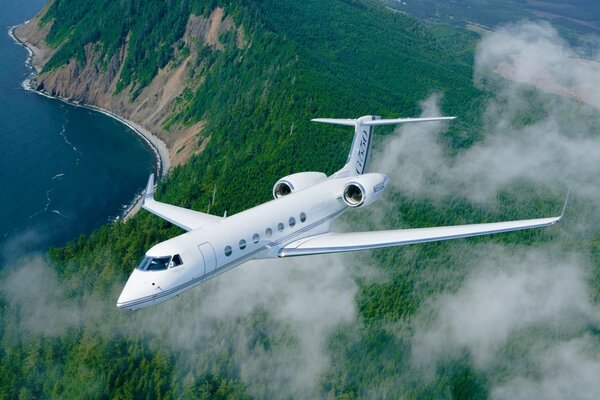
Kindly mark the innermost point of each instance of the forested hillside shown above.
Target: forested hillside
(323, 327)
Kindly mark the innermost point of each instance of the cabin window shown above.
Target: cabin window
(280, 227)
(228, 251)
(176, 261)
(302, 217)
(242, 244)
(268, 232)
(292, 222)
(256, 238)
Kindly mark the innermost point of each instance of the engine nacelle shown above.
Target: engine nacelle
(295, 182)
(364, 189)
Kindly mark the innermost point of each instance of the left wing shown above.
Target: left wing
(339, 242)
(182, 217)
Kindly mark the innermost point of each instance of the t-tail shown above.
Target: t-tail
(358, 158)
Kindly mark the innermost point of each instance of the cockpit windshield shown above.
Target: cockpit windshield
(154, 263)
(159, 263)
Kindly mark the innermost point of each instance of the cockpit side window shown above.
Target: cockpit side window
(176, 261)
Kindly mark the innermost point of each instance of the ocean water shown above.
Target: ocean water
(64, 170)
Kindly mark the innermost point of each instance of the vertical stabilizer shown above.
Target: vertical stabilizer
(358, 158)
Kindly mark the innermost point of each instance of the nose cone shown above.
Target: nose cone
(137, 292)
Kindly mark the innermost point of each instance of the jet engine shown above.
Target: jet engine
(364, 189)
(295, 182)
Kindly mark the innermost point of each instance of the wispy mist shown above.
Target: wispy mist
(510, 290)
(541, 139)
(297, 303)
(535, 54)
(524, 315)
(568, 370)
(273, 317)
(37, 299)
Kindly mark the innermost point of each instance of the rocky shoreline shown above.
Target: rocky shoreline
(159, 147)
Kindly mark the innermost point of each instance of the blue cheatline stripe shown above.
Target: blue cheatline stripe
(307, 228)
(229, 265)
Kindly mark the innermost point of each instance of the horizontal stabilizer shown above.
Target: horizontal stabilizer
(335, 121)
(182, 217)
(375, 122)
(352, 241)
(404, 120)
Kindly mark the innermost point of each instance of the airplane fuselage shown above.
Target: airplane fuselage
(256, 233)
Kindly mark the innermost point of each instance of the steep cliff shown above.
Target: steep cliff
(94, 81)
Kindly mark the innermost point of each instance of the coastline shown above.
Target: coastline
(159, 148)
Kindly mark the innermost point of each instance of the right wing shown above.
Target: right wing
(339, 242)
(182, 217)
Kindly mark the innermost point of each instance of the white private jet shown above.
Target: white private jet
(295, 223)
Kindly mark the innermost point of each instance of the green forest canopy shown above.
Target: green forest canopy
(365, 59)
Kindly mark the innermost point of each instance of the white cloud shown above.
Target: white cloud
(36, 297)
(510, 290)
(559, 148)
(280, 354)
(569, 370)
(274, 318)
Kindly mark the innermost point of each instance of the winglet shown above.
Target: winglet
(149, 192)
(565, 204)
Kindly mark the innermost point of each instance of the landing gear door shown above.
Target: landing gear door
(210, 259)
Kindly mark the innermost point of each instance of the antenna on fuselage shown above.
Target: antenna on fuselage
(212, 203)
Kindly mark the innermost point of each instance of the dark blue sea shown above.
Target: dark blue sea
(64, 170)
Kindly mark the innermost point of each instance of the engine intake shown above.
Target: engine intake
(354, 194)
(364, 189)
(282, 188)
(295, 182)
